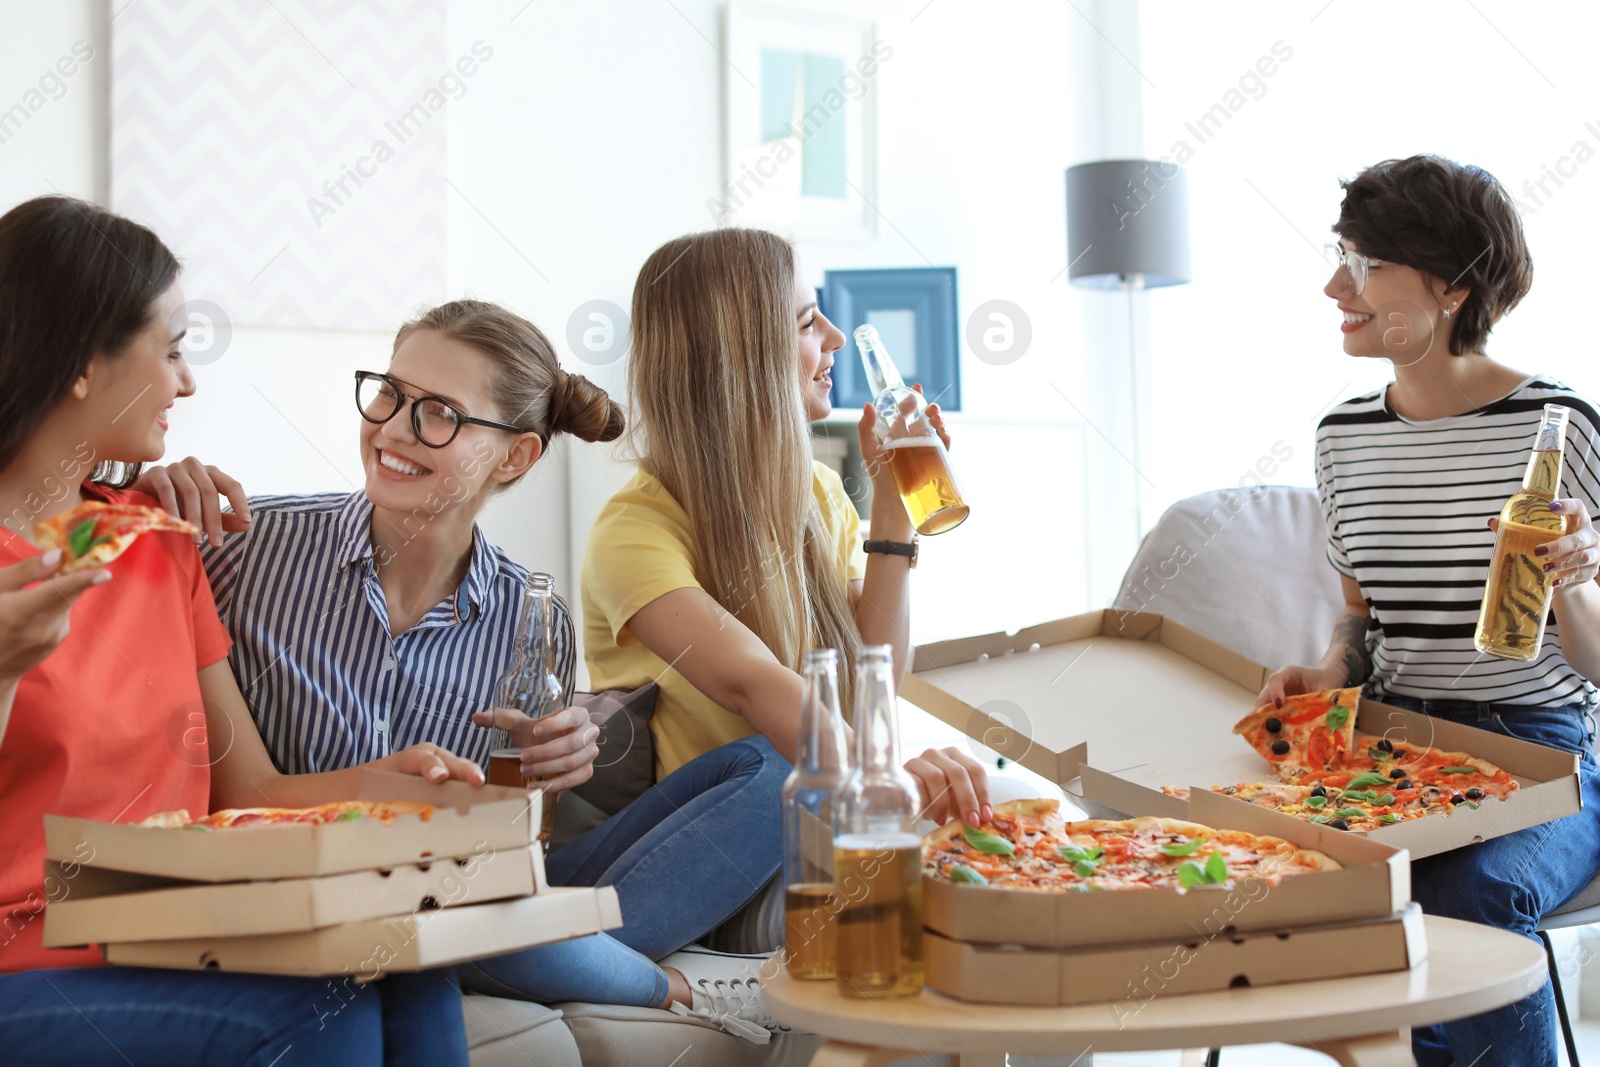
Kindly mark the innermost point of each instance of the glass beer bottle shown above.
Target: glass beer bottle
(530, 684)
(808, 902)
(1516, 599)
(915, 455)
(877, 853)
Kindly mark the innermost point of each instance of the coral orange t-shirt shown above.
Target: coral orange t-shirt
(110, 726)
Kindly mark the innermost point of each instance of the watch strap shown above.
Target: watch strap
(892, 548)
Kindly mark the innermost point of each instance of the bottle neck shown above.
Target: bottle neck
(1543, 476)
(879, 367)
(877, 721)
(822, 744)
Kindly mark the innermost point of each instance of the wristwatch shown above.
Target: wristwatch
(895, 548)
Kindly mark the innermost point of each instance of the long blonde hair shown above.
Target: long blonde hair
(719, 420)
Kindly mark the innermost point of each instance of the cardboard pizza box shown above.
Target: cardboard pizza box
(1373, 882)
(468, 819)
(1128, 976)
(1113, 705)
(366, 950)
(103, 905)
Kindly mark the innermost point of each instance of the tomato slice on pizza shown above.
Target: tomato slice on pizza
(94, 533)
(1312, 732)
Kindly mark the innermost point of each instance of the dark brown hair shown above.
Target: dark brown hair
(1448, 219)
(75, 280)
(528, 386)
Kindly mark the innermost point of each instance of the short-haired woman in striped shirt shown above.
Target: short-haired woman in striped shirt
(372, 620)
(1431, 256)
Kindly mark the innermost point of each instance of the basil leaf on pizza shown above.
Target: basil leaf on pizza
(966, 875)
(1181, 848)
(988, 843)
(1338, 717)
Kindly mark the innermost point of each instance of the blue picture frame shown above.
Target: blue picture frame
(914, 309)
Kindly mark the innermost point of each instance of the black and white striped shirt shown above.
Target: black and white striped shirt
(326, 683)
(1407, 505)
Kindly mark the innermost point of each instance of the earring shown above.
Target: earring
(1449, 309)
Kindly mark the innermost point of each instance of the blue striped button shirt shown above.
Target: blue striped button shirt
(327, 684)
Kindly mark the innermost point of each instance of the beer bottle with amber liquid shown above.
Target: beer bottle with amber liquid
(820, 765)
(530, 684)
(1516, 599)
(912, 448)
(877, 853)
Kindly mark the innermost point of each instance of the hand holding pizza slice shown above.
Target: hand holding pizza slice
(94, 533)
(1310, 733)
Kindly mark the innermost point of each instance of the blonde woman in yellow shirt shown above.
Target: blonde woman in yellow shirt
(731, 551)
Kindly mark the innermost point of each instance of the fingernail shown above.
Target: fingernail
(1542, 550)
(51, 559)
(102, 578)
(973, 820)
(988, 813)
(1277, 702)
(1549, 566)
(1555, 505)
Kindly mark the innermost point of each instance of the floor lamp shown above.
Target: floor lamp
(1128, 229)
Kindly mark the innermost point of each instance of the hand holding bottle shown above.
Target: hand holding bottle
(558, 749)
(1573, 558)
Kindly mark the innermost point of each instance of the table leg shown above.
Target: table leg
(1374, 1050)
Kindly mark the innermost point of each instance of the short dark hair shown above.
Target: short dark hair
(1448, 219)
(75, 280)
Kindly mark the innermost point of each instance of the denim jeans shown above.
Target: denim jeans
(115, 1016)
(683, 857)
(1511, 882)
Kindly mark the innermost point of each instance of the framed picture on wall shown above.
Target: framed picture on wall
(914, 310)
(798, 122)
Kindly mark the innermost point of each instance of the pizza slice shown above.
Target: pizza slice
(1311, 733)
(94, 533)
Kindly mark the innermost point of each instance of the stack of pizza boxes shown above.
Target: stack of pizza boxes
(357, 898)
(1113, 706)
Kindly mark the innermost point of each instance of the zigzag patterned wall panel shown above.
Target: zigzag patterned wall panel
(292, 152)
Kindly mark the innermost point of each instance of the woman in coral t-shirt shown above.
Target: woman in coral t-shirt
(108, 676)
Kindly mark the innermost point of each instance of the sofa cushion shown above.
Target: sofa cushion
(626, 765)
(516, 1033)
(609, 1035)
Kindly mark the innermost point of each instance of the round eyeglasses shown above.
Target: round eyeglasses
(434, 419)
(1356, 265)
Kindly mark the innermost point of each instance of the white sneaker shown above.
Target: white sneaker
(727, 991)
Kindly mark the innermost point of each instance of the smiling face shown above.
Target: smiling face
(402, 473)
(1398, 315)
(819, 340)
(125, 397)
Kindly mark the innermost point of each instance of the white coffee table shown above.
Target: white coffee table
(1360, 1022)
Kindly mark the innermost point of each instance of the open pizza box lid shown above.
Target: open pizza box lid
(413, 942)
(1373, 882)
(92, 905)
(1127, 976)
(1112, 705)
(468, 820)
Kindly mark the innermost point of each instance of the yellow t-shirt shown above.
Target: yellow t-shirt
(641, 548)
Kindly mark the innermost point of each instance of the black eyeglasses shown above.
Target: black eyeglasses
(434, 419)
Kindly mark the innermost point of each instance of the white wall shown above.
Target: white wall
(593, 135)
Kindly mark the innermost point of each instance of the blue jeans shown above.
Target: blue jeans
(683, 857)
(116, 1016)
(1511, 882)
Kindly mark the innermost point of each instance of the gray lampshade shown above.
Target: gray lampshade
(1127, 217)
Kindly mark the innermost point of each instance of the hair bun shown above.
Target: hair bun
(583, 409)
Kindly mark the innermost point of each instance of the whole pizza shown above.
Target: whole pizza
(381, 811)
(1329, 774)
(1027, 845)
